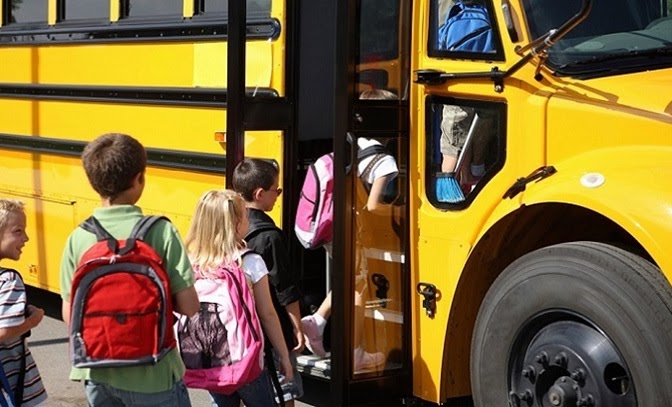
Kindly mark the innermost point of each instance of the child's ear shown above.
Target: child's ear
(140, 178)
(256, 196)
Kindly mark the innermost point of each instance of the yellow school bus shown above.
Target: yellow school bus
(520, 252)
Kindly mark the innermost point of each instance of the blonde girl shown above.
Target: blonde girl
(216, 237)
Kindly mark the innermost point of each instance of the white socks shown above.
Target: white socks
(321, 322)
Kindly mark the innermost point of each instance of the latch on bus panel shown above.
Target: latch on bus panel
(428, 291)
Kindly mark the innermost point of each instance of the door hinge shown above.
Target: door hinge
(428, 291)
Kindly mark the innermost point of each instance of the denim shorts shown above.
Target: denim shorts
(255, 394)
(103, 395)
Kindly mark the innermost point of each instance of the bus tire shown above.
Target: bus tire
(575, 324)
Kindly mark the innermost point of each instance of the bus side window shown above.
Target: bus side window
(151, 8)
(27, 12)
(85, 10)
(466, 147)
(463, 29)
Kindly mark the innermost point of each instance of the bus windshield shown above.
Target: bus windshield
(618, 35)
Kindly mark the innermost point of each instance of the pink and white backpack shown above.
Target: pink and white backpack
(314, 213)
(222, 345)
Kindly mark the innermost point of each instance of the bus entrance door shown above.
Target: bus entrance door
(370, 325)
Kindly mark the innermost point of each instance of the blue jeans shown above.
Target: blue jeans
(102, 395)
(255, 394)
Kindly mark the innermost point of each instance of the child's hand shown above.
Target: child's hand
(300, 341)
(35, 315)
(286, 369)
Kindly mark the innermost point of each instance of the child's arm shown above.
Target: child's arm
(186, 301)
(375, 200)
(271, 325)
(35, 317)
(65, 312)
(294, 311)
(13, 322)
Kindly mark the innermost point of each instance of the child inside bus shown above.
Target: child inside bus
(257, 181)
(216, 237)
(24, 386)
(376, 172)
(115, 165)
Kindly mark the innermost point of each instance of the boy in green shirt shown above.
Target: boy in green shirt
(115, 166)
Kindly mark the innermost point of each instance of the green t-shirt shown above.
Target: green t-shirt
(119, 220)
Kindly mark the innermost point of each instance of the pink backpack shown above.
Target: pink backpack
(222, 345)
(314, 214)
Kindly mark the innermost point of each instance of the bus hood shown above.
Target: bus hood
(649, 91)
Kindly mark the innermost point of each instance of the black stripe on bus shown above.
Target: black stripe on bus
(204, 97)
(173, 159)
(196, 30)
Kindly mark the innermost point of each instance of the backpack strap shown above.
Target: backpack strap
(140, 230)
(273, 373)
(371, 150)
(142, 227)
(368, 169)
(92, 225)
(258, 228)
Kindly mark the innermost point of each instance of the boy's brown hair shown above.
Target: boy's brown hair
(111, 161)
(252, 174)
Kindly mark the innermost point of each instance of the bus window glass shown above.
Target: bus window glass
(382, 56)
(153, 8)
(86, 10)
(466, 147)
(255, 8)
(463, 29)
(28, 11)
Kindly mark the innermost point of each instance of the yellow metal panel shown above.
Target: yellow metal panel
(114, 10)
(630, 185)
(188, 9)
(210, 66)
(51, 12)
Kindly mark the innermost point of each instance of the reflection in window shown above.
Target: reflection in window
(86, 9)
(152, 8)
(28, 11)
(466, 147)
(255, 8)
(462, 26)
(382, 23)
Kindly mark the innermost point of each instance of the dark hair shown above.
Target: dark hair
(251, 174)
(111, 161)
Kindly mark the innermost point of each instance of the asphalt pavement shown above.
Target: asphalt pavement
(49, 345)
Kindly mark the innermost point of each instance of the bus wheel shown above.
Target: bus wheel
(577, 324)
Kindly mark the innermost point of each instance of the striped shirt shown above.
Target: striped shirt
(12, 308)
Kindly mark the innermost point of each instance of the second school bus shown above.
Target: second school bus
(542, 278)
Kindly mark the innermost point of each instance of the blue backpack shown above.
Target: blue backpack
(467, 29)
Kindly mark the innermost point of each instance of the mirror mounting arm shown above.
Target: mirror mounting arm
(536, 48)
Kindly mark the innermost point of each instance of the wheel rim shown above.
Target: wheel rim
(560, 360)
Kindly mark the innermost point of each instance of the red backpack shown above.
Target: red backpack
(121, 306)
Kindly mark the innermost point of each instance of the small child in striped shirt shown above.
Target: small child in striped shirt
(16, 318)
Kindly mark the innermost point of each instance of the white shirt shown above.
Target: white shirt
(254, 268)
(385, 166)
